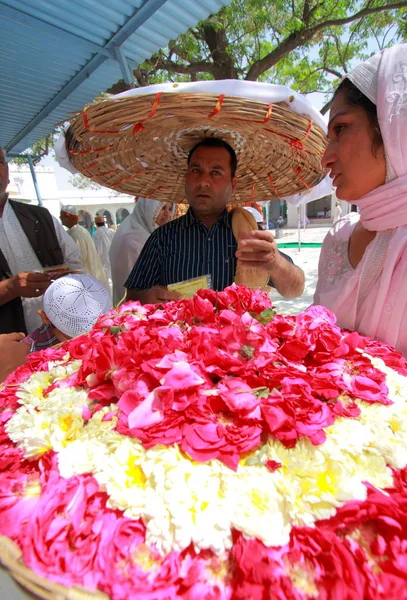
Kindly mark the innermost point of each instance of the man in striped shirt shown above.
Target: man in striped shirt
(202, 241)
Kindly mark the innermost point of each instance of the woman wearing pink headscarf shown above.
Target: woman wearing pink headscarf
(363, 264)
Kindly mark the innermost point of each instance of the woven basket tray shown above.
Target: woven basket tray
(11, 559)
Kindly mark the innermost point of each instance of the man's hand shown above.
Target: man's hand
(12, 353)
(28, 285)
(158, 294)
(258, 250)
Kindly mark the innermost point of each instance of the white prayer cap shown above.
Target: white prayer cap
(256, 214)
(73, 303)
(70, 210)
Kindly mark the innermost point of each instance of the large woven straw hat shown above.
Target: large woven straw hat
(138, 142)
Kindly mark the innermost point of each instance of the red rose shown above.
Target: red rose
(210, 433)
(293, 411)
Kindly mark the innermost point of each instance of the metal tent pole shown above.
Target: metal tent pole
(299, 226)
(33, 175)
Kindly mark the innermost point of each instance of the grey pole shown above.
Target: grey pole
(33, 175)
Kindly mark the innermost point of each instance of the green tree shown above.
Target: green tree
(83, 183)
(39, 149)
(306, 44)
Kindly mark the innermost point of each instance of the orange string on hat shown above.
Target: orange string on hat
(89, 151)
(218, 106)
(139, 126)
(149, 194)
(297, 172)
(266, 118)
(127, 178)
(274, 187)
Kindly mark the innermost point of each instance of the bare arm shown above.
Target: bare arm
(260, 250)
(288, 278)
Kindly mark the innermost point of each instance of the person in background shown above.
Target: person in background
(71, 306)
(131, 236)
(102, 239)
(31, 240)
(202, 242)
(337, 211)
(362, 273)
(90, 258)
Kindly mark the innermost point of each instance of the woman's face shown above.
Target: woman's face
(354, 169)
(165, 214)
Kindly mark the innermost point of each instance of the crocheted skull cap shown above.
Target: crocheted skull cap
(73, 303)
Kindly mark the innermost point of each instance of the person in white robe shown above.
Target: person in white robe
(90, 258)
(131, 236)
(102, 239)
(21, 258)
(337, 211)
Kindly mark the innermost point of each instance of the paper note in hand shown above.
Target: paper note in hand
(189, 287)
(56, 270)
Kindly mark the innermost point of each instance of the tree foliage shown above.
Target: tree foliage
(39, 149)
(83, 183)
(305, 44)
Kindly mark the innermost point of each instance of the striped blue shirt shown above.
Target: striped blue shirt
(185, 248)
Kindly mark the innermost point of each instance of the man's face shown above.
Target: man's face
(65, 220)
(4, 180)
(209, 183)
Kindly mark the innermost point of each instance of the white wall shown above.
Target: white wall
(22, 186)
(54, 197)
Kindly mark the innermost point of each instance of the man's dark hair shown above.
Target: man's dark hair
(212, 142)
(354, 97)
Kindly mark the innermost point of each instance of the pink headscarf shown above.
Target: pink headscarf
(373, 299)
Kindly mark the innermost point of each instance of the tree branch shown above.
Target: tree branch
(333, 72)
(291, 42)
(341, 58)
(239, 37)
(178, 51)
(306, 12)
(314, 9)
(196, 35)
(301, 37)
(359, 15)
(184, 69)
(217, 42)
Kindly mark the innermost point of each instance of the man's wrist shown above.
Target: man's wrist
(279, 265)
(8, 291)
